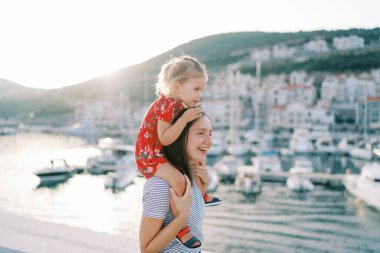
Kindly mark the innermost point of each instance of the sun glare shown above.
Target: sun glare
(50, 44)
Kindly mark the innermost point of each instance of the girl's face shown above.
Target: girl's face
(190, 91)
(199, 139)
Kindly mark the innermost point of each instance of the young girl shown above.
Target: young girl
(180, 84)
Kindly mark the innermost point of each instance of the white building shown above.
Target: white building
(260, 54)
(318, 46)
(368, 114)
(349, 42)
(282, 51)
(329, 88)
(304, 94)
(300, 77)
(291, 116)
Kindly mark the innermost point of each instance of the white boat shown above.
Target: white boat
(121, 179)
(248, 180)
(213, 179)
(298, 179)
(267, 161)
(318, 131)
(227, 167)
(365, 186)
(258, 141)
(218, 146)
(58, 172)
(114, 156)
(325, 145)
(346, 145)
(300, 142)
(363, 151)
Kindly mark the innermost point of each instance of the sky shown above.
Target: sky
(50, 44)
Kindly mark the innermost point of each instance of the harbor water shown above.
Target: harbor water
(276, 220)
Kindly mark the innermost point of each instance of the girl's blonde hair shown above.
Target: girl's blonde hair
(178, 69)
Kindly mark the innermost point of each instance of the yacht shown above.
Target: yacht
(227, 167)
(300, 142)
(325, 145)
(318, 131)
(58, 172)
(267, 161)
(248, 180)
(346, 145)
(218, 146)
(362, 151)
(298, 179)
(365, 186)
(114, 155)
(121, 179)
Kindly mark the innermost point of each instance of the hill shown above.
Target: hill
(216, 51)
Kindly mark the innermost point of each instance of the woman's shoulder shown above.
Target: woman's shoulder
(156, 182)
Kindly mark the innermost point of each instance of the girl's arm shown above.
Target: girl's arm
(168, 133)
(153, 237)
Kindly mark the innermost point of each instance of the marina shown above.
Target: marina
(316, 221)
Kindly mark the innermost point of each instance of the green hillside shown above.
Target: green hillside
(216, 51)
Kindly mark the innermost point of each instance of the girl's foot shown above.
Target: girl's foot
(211, 201)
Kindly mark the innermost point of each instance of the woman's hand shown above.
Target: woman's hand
(181, 205)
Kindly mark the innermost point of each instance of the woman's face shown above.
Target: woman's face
(199, 139)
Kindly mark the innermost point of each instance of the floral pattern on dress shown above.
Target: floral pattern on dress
(148, 149)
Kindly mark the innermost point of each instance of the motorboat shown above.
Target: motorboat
(298, 179)
(365, 186)
(121, 179)
(258, 141)
(218, 146)
(300, 142)
(325, 145)
(114, 156)
(346, 145)
(213, 179)
(318, 131)
(267, 161)
(248, 180)
(362, 151)
(227, 167)
(58, 172)
(238, 148)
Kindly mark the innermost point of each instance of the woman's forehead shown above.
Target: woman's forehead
(202, 122)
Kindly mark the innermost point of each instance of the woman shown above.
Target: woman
(158, 227)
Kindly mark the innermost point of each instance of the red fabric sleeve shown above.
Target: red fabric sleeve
(165, 109)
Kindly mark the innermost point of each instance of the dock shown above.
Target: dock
(326, 179)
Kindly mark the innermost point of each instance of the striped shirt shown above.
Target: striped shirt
(156, 199)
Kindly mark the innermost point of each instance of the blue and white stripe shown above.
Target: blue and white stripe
(156, 199)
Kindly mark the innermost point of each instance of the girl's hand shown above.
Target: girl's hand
(200, 170)
(192, 113)
(181, 205)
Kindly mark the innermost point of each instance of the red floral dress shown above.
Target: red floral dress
(148, 149)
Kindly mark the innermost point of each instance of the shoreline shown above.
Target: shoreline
(23, 234)
(20, 234)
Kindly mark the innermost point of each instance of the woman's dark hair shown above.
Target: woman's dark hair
(175, 153)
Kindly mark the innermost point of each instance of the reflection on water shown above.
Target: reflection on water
(277, 220)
